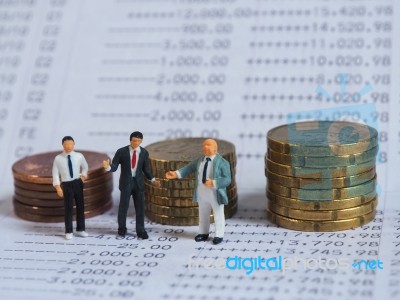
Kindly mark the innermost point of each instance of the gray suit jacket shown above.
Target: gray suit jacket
(122, 157)
(222, 176)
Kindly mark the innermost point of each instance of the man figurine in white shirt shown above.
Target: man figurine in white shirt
(68, 165)
(213, 175)
(134, 167)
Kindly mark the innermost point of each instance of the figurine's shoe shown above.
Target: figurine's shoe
(201, 237)
(68, 236)
(122, 231)
(82, 233)
(143, 235)
(217, 240)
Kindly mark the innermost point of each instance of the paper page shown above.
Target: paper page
(229, 69)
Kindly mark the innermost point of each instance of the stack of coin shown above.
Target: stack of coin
(35, 198)
(321, 175)
(172, 203)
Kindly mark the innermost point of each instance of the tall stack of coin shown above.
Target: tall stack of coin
(321, 175)
(172, 202)
(35, 198)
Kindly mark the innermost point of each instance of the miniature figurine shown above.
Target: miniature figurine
(67, 165)
(213, 175)
(134, 165)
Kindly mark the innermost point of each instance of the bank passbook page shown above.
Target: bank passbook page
(225, 69)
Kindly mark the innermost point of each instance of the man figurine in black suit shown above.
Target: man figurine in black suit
(134, 166)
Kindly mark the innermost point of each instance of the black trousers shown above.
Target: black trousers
(73, 190)
(138, 201)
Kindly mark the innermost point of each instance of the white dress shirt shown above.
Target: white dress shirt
(61, 169)
(202, 190)
(131, 150)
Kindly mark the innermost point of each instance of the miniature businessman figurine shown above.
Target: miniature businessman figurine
(134, 166)
(213, 175)
(67, 165)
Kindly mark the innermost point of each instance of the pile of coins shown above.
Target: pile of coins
(321, 175)
(35, 198)
(172, 203)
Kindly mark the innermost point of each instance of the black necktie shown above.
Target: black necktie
(70, 167)
(205, 170)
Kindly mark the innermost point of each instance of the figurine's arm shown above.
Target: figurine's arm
(84, 168)
(56, 179)
(190, 168)
(147, 171)
(115, 162)
(183, 172)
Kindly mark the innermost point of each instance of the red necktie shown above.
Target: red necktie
(134, 159)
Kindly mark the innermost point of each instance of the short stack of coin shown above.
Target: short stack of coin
(172, 203)
(321, 175)
(35, 198)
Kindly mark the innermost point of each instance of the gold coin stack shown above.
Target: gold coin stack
(321, 175)
(172, 203)
(35, 198)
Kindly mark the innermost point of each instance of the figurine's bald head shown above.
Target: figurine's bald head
(210, 147)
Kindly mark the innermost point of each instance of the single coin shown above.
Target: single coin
(106, 188)
(174, 202)
(325, 172)
(320, 226)
(56, 219)
(183, 221)
(323, 194)
(320, 205)
(172, 211)
(98, 180)
(163, 192)
(184, 150)
(181, 184)
(38, 168)
(39, 202)
(174, 221)
(321, 183)
(87, 199)
(59, 202)
(55, 211)
(322, 138)
(168, 165)
(323, 215)
(48, 188)
(322, 161)
(182, 211)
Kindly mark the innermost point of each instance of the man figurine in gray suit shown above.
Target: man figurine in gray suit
(213, 175)
(134, 166)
